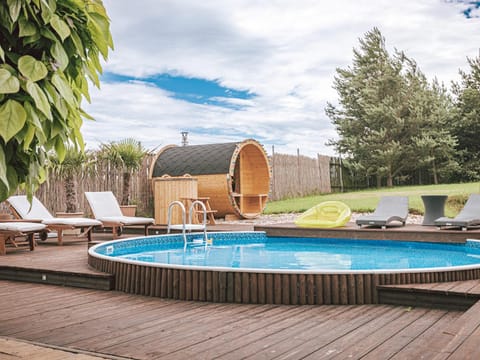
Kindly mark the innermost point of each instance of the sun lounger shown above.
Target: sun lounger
(469, 216)
(106, 209)
(390, 210)
(36, 211)
(11, 229)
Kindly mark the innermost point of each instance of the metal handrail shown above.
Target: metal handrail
(188, 226)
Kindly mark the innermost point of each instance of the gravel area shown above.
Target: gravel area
(289, 218)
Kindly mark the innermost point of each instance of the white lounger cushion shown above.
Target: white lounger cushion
(21, 226)
(76, 222)
(38, 211)
(35, 211)
(105, 208)
(127, 220)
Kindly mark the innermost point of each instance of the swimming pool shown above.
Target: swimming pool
(251, 267)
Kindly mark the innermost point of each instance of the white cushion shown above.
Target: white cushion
(34, 211)
(103, 204)
(21, 226)
(127, 220)
(77, 222)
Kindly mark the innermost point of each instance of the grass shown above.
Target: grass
(366, 200)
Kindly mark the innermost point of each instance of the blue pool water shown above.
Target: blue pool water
(257, 251)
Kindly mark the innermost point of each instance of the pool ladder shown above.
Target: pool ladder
(188, 226)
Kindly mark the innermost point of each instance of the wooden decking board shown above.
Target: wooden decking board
(360, 340)
(388, 336)
(162, 321)
(262, 346)
(427, 299)
(88, 281)
(475, 290)
(420, 346)
(395, 344)
(338, 328)
(177, 339)
(82, 328)
(136, 326)
(286, 331)
(61, 317)
(458, 286)
(244, 339)
(266, 347)
(465, 328)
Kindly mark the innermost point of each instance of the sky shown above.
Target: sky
(226, 71)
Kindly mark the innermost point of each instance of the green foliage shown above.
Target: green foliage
(466, 122)
(366, 201)
(47, 50)
(127, 154)
(388, 115)
(74, 164)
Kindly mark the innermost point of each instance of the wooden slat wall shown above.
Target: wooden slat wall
(299, 175)
(263, 288)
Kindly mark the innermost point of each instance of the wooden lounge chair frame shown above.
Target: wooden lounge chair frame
(53, 224)
(21, 228)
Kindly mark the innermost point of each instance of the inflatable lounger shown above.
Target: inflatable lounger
(328, 214)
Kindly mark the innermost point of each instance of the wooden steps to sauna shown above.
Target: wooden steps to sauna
(456, 295)
(95, 281)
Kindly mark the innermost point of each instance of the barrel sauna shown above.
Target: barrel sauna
(235, 176)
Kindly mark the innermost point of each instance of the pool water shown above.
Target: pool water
(312, 254)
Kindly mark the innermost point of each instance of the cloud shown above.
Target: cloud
(285, 52)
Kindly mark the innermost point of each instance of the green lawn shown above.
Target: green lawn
(366, 200)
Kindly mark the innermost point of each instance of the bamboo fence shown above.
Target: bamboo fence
(299, 175)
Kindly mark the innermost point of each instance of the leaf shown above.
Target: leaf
(59, 54)
(32, 116)
(64, 89)
(40, 99)
(60, 148)
(9, 84)
(60, 27)
(26, 28)
(99, 27)
(14, 7)
(28, 138)
(12, 119)
(57, 100)
(3, 169)
(31, 68)
(47, 11)
(2, 54)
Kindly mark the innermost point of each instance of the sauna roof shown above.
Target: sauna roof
(195, 160)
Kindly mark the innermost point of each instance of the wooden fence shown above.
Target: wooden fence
(299, 175)
(292, 175)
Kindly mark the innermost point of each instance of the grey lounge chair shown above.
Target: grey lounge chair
(469, 216)
(390, 209)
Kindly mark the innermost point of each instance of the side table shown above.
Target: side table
(434, 208)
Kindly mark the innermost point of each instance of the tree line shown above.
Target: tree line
(393, 123)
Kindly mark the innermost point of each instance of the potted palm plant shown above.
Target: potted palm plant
(74, 164)
(126, 154)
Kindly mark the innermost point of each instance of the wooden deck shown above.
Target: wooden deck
(410, 232)
(136, 327)
(123, 326)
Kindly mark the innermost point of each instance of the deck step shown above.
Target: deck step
(459, 295)
(98, 281)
